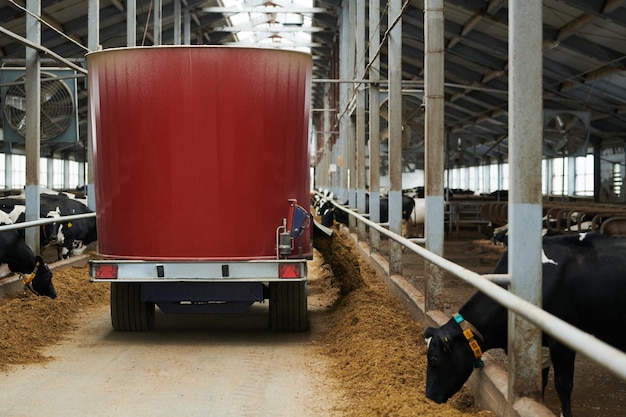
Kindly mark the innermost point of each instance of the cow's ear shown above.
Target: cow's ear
(39, 260)
(429, 332)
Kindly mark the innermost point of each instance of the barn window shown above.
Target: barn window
(58, 174)
(18, 171)
(493, 178)
(559, 176)
(481, 185)
(472, 178)
(43, 172)
(462, 184)
(73, 174)
(504, 177)
(545, 175)
(584, 176)
(617, 179)
(3, 182)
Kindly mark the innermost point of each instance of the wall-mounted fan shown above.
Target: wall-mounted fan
(412, 121)
(59, 118)
(412, 133)
(565, 133)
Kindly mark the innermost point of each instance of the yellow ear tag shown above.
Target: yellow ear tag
(69, 224)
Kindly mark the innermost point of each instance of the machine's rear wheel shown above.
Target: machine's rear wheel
(288, 306)
(128, 312)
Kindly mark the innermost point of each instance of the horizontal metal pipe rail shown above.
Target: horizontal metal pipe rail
(46, 220)
(612, 359)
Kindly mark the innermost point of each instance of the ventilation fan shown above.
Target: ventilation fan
(412, 121)
(565, 133)
(412, 133)
(58, 108)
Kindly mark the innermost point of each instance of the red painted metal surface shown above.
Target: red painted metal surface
(198, 149)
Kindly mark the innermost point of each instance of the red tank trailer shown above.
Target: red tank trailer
(200, 159)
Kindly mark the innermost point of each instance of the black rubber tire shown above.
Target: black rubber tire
(128, 313)
(288, 307)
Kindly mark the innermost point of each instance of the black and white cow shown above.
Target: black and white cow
(329, 213)
(408, 204)
(15, 207)
(71, 238)
(584, 283)
(20, 258)
(75, 235)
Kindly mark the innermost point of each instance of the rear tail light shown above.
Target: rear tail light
(286, 270)
(104, 271)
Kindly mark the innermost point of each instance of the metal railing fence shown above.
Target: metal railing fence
(610, 358)
(46, 220)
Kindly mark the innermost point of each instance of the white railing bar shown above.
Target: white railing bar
(46, 220)
(614, 360)
(500, 279)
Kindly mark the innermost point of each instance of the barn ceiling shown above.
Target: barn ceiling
(584, 53)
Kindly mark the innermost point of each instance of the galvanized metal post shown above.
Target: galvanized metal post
(323, 170)
(131, 23)
(33, 125)
(187, 27)
(49, 172)
(571, 176)
(374, 121)
(350, 159)
(343, 169)
(158, 22)
(395, 132)
(93, 40)
(524, 255)
(177, 19)
(434, 147)
(8, 169)
(66, 174)
(361, 41)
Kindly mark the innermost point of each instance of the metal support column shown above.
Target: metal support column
(343, 169)
(524, 255)
(597, 172)
(158, 22)
(131, 23)
(49, 172)
(177, 21)
(374, 121)
(434, 148)
(395, 133)
(361, 41)
(8, 170)
(187, 27)
(350, 154)
(33, 126)
(326, 175)
(93, 40)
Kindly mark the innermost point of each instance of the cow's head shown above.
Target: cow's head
(327, 213)
(51, 231)
(42, 283)
(450, 361)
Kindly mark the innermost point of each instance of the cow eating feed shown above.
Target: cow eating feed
(20, 258)
(584, 284)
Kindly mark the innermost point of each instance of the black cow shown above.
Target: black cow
(15, 252)
(584, 283)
